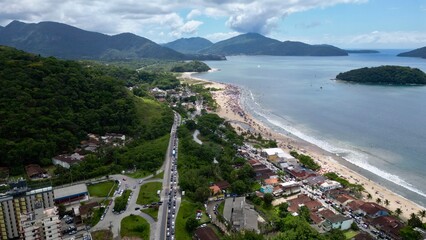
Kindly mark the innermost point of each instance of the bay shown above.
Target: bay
(380, 130)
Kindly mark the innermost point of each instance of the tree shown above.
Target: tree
(354, 226)
(304, 213)
(398, 212)
(386, 202)
(369, 196)
(378, 200)
(414, 221)
(267, 199)
(191, 224)
(202, 193)
(62, 210)
(408, 233)
(283, 209)
(239, 187)
(422, 213)
(335, 234)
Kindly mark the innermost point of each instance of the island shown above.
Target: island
(419, 52)
(389, 75)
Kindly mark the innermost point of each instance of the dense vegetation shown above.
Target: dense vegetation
(48, 106)
(193, 66)
(306, 161)
(419, 52)
(394, 75)
(196, 162)
(256, 44)
(345, 183)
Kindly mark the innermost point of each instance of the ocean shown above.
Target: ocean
(379, 130)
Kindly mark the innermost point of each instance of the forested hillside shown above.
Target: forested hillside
(47, 106)
(395, 75)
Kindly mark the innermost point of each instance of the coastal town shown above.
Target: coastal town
(286, 178)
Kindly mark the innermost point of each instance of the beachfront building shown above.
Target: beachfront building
(329, 185)
(240, 214)
(290, 188)
(20, 199)
(372, 210)
(276, 155)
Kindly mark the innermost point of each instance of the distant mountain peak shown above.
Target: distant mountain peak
(189, 45)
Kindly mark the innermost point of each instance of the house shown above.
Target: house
(114, 139)
(314, 181)
(338, 222)
(66, 160)
(344, 199)
(240, 214)
(278, 191)
(223, 185)
(264, 173)
(313, 205)
(271, 181)
(215, 190)
(35, 171)
(300, 173)
(205, 233)
(354, 205)
(329, 185)
(372, 210)
(294, 204)
(86, 210)
(290, 187)
(389, 225)
(316, 219)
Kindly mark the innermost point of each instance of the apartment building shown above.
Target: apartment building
(19, 199)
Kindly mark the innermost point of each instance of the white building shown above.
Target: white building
(41, 224)
(329, 185)
(276, 153)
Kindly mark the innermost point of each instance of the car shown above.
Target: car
(124, 179)
(137, 208)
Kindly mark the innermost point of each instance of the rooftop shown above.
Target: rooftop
(69, 191)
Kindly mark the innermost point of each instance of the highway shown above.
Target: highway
(170, 195)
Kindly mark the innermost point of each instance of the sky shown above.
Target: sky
(374, 24)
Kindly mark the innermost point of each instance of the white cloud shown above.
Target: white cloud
(219, 36)
(193, 13)
(189, 27)
(139, 17)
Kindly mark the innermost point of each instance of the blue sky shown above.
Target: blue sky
(344, 23)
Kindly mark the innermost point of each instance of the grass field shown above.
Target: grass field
(159, 176)
(350, 234)
(153, 212)
(102, 235)
(134, 226)
(96, 216)
(148, 193)
(187, 209)
(139, 174)
(102, 189)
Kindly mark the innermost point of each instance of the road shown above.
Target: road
(158, 229)
(170, 195)
(113, 221)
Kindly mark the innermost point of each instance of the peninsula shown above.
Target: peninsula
(389, 75)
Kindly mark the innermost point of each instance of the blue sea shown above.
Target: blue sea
(379, 130)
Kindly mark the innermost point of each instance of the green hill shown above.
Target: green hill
(47, 106)
(189, 45)
(419, 52)
(392, 75)
(64, 41)
(256, 44)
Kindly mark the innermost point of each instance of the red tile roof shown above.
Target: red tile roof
(34, 170)
(313, 205)
(372, 208)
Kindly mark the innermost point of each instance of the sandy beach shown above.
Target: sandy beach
(228, 99)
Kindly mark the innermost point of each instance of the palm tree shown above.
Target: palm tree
(378, 200)
(369, 196)
(422, 213)
(398, 212)
(387, 202)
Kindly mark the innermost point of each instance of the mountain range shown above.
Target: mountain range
(419, 52)
(189, 45)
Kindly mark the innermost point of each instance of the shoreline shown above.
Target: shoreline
(230, 108)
